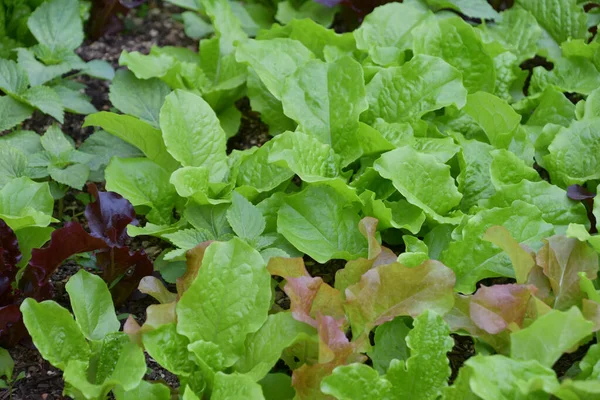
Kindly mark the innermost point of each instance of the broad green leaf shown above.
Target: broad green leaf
(75, 175)
(25, 203)
(193, 134)
(137, 133)
(573, 389)
(103, 146)
(326, 99)
(264, 347)
(500, 377)
(421, 179)
(554, 108)
(563, 19)
(387, 32)
(12, 112)
(46, 100)
(252, 169)
(472, 259)
(54, 333)
(235, 387)
(408, 92)
(212, 218)
(145, 390)
(188, 238)
(13, 78)
(321, 41)
(497, 119)
(139, 98)
(169, 349)
(323, 223)
(474, 180)
(74, 101)
(27, 142)
(572, 154)
(357, 382)
(305, 155)
(233, 291)
(13, 164)
(143, 183)
(387, 291)
(426, 372)
(457, 43)
(575, 74)
(518, 32)
(321, 13)
(40, 73)
(6, 365)
(520, 258)
(33, 237)
(92, 305)
(393, 214)
(563, 260)
(551, 200)
(100, 69)
(471, 8)
(277, 386)
(269, 107)
(245, 218)
(273, 60)
(390, 344)
(549, 336)
(57, 25)
(193, 182)
(116, 361)
(227, 26)
(506, 168)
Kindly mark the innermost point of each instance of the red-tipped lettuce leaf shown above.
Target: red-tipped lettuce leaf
(388, 291)
(495, 308)
(562, 259)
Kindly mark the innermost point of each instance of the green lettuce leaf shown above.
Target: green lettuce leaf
(409, 170)
(549, 336)
(387, 32)
(139, 98)
(322, 222)
(233, 290)
(55, 333)
(92, 305)
(408, 92)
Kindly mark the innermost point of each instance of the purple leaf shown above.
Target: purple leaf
(576, 192)
(108, 216)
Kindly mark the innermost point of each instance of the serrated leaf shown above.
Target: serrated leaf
(245, 219)
(141, 98)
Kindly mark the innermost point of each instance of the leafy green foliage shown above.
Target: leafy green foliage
(38, 80)
(91, 368)
(454, 143)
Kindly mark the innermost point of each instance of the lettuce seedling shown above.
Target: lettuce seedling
(37, 80)
(54, 156)
(93, 354)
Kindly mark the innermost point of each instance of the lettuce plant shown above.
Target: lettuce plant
(438, 129)
(93, 354)
(26, 267)
(256, 15)
(37, 80)
(53, 156)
